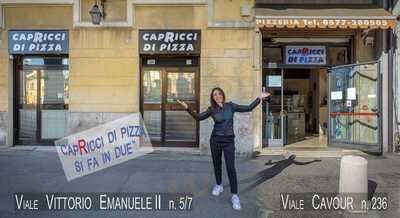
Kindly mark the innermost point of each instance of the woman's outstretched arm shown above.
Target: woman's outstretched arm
(197, 116)
(246, 108)
(200, 116)
(251, 106)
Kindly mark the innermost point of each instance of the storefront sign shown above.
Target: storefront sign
(169, 41)
(38, 42)
(325, 23)
(305, 55)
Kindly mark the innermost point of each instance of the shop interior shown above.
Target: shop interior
(304, 110)
(298, 113)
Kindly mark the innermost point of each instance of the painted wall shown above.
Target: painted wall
(396, 80)
(115, 10)
(33, 16)
(104, 62)
(366, 53)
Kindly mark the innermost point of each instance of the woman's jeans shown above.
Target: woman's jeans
(229, 154)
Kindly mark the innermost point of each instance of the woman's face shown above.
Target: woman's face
(218, 97)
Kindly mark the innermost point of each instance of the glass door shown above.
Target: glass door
(42, 100)
(180, 127)
(273, 113)
(166, 121)
(355, 119)
(152, 103)
(27, 107)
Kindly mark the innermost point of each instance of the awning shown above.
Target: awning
(360, 17)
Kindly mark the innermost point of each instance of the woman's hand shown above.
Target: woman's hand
(264, 94)
(183, 104)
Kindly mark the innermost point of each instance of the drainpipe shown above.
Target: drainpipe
(391, 72)
(392, 77)
(395, 8)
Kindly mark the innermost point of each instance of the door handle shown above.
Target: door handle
(376, 110)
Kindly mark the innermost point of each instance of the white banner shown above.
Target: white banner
(305, 55)
(103, 146)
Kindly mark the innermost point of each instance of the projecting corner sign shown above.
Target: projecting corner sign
(169, 41)
(38, 42)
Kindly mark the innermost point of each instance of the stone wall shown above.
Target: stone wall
(104, 62)
(3, 128)
(79, 121)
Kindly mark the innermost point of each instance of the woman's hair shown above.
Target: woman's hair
(214, 104)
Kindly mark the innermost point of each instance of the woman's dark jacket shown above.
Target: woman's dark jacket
(223, 116)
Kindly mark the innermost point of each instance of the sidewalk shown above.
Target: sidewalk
(39, 170)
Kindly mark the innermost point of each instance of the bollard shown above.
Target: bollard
(353, 182)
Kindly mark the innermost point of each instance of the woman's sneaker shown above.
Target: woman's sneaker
(236, 202)
(217, 190)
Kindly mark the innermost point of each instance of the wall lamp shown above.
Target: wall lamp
(97, 13)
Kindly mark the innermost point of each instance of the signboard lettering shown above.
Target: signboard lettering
(38, 42)
(169, 41)
(324, 23)
(305, 55)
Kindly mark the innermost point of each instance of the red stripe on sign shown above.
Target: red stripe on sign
(334, 114)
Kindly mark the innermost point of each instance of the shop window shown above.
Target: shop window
(272, 55)
(181, 86)
(338, 56)
(152, 87)
(43, 81)
(355, 105)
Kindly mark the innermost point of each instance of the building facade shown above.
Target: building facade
(60, 73)
(349, 92)
(395, 6)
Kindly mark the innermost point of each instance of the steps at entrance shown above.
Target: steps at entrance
(311, 152)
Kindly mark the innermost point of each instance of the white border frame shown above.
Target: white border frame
(130, 14)
(1, 17)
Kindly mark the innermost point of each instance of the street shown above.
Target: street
(261, 180)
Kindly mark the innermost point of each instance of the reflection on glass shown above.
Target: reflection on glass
(353, 116)
(54, 124)
(152, 87)
(28, 88)
(48, 77)
(273, 81)
(179, 126)
(33, 61)
(152, 120)
(28, 100)
(180, 86)
(54, 87)
(272, 55)
(338, 56)
(66, 86)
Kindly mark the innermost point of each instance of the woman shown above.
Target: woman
(222, 136)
